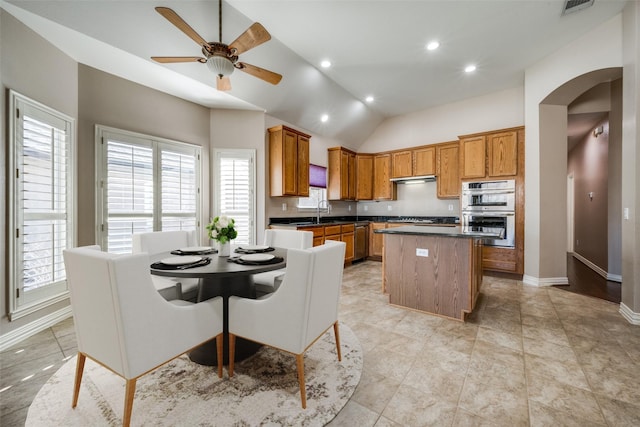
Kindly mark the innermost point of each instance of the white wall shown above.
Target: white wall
(545, 185)
(445, 123)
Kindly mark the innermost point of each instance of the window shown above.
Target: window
(317, 188)
(42, 195)
(235, 195)
(146, 184)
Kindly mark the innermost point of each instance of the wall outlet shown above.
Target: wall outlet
(450, 207)
(422, 252)
(389, 208)
(626, 213)
(284, 207)
(349, 208)
(366, 208)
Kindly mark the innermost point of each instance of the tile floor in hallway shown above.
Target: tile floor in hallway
(527, 356)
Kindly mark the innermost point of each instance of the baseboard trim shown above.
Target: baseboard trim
(19, 334)
(631, 316)
(599, 270)
(544, 281)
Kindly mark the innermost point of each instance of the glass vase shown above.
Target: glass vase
(224, 249)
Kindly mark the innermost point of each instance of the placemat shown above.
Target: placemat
(274, 260)
(253, 251)
(208, 252)
(161, 266)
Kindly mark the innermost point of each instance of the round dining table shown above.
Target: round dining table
(222, 277)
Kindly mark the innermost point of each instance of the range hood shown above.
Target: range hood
(414, 179)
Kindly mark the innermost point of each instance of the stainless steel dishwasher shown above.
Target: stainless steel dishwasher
(361, 243)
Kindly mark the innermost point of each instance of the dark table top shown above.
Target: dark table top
(220, 266)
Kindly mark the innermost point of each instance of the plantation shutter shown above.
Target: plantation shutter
(235, 197)
(179, 190)
(42, 203)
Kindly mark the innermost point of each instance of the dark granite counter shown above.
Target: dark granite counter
(431, 230)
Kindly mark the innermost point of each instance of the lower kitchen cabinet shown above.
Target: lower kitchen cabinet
(340, 232)
(376, 241)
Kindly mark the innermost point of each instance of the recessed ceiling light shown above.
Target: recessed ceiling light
(470, 68)
(325, 64)
(369, 99)
(433, 45)
(324, 118)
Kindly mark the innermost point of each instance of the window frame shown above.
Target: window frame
(157, 144)
(56, 291)
(243, 153)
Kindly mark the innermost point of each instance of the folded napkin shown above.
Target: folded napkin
(242, 250)
(162, 266)
(274, 260)
(207, 252)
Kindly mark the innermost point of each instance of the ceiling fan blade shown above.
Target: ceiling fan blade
(171, 59)
(175, 19)
(223, 83)
(261, 73)
(255, 35)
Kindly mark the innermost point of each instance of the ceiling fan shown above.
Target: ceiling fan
(221, 58)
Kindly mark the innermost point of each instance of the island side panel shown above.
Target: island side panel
(439, 283)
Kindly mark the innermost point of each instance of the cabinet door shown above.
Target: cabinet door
(503, 153)
(351, 176)
(376, 240)
(303, 166)
(344, 175)
(290, 160)
(401, 164)
(383, 188)
(349, 239)
(364, 177)
(448, 171)
(424, 161)
(473, 157)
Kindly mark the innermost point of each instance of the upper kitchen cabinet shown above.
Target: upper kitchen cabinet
(448, 170)
(503, 154)
(402, 164)
(383, 188)
(364, 176)
(342, 174)
(424, 161)
(288, 162)
(472, 157)
(490, 154)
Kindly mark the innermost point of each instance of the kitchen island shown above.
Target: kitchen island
(433, 269)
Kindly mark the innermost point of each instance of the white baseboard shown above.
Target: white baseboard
(599, 270)
(631, 316)
(14, 337)
(544, 281)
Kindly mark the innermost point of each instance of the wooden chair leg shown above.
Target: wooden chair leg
(130, 391)
(232, 353)
(336, 332)
(303, 392)
(79, 370)
(219, 342)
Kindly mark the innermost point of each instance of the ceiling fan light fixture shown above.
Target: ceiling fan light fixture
(220, 65)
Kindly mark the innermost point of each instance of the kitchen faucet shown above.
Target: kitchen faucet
(318, 209)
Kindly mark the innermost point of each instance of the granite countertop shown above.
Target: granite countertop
(311, 222)
(437, 231)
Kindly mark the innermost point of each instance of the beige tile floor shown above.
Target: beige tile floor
(527, 356)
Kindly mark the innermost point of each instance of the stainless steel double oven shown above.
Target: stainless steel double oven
(489, 206)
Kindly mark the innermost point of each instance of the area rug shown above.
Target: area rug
(263, 391)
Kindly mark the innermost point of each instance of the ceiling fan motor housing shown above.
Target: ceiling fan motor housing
(219, 59)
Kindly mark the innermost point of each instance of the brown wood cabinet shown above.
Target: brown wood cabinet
(341, 174)
(402, 164)
(288, 162)
(424, 161)
(447, 170)
(383, 188)
(502, 150)
(339, 232)
(472, 157)
(376, 246)
(364, 176)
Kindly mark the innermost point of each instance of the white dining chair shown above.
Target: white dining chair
(166, 241)
(123, 324)
(303, 308)
(269, 281)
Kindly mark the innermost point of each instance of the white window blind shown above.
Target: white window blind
(235, 195)
(42, 192)
(147, 185)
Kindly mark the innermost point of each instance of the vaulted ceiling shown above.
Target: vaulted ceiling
(377, 48)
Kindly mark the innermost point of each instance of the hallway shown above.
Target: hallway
(585, 281)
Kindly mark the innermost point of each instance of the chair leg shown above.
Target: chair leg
(303, 392)
(79, 370)
(130, 391)
(336, 332)
(219, 342)
(232, 353)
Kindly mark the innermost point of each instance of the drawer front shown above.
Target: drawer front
(330, 230)
(317, 231)
(348, 228)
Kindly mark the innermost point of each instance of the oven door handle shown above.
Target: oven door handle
(472, 192)
(492, 214)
